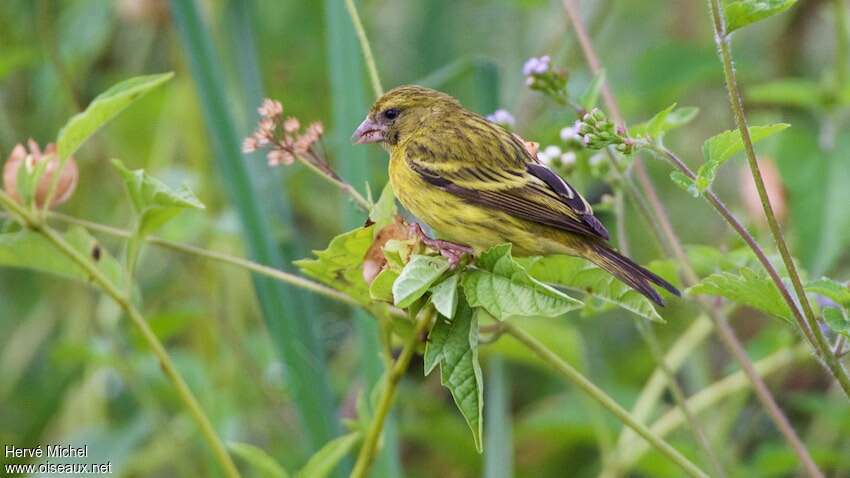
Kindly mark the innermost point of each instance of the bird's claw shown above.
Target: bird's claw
(450, 250)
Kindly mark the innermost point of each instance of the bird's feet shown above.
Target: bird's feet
(450, 250)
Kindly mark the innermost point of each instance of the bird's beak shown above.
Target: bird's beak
(368, 132)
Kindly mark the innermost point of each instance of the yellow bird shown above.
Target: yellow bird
(476, 185)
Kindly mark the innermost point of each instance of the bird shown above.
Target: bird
(476, 185)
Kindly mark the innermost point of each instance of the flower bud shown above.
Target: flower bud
(19, 157)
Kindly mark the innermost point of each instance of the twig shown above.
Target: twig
(365, 48)
(574, 376)
(679, 396)
(724, 331)
(271, 272)
(709, 396)
(724, 51)
(385, 402)
(168, 367)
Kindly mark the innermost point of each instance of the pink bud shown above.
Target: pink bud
(68, 178)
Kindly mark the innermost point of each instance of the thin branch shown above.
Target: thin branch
(724, 331)
(679, 396)
(391, 380)
(168, 367)
(574, 376)
(711, 396)
(271, 272)
(736, 104)
(366, 48)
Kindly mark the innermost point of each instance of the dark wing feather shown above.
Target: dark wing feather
(531, 192)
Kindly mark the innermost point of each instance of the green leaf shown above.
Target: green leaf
(260, 461)
(384, 210)
(27, 249)
(505, 289)
(416, 277)
(341, 265)
(837, 320)
(665, 120)
(719, 148)
(836, 291)
(753, 289)
(103, 108)
(444, 296)
(740, 13)
(590, 96)
(454, 345)
(722, 146)
(153, 201)
(381, 287)
(684, 182)
(323, 462)
(578, 274)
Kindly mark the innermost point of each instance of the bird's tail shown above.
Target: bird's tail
(625, 269)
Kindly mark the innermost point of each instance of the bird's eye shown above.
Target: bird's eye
(391, 113)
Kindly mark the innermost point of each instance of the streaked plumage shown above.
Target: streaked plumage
(475, 183)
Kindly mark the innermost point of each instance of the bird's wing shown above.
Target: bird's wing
(519, 187)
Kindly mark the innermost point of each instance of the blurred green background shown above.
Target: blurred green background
(278, 368)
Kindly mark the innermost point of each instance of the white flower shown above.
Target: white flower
(552, 151)
(502, 116)
(570, 132)
(568, 158)
(536, 66)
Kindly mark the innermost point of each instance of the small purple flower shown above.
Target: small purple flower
(536, 66)
(502, 116)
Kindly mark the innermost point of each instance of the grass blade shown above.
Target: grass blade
(293, 336)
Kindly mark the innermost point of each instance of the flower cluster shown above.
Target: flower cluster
(553, 156)
(596, 131)
(540, 76)
(502, 117)
(284, 138)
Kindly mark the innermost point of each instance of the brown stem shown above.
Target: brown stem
(725, 333)
(725, 52)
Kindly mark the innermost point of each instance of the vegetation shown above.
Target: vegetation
(164, 309)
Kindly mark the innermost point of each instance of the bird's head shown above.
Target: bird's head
(400, 112)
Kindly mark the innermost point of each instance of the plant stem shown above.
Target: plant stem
(725, 332)
(358, 198)
(679, 396)
(267, 271)
(600, 396)
(385, 402)
(708, 397)
(736, 104)
(168, 367)
(652, 391)
(371, 67)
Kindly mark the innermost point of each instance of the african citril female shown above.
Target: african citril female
(476, 185)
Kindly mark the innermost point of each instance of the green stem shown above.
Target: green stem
(724, 332)
(267, 271)
(371, 67)
(737, 107)
(600, 396)
(653, 389)
(708, 397)
(385, 402)
(679, 396)
(139, 321)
